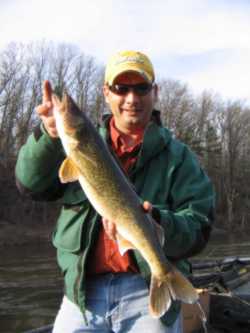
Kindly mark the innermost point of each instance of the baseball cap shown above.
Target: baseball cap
(127, 61)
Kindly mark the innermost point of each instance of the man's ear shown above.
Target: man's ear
(105, 90)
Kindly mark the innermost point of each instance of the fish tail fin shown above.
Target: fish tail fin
(159, 297)
(181, 288)
(174, 287)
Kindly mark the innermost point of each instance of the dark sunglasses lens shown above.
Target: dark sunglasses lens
(120, 89)
(140, 89)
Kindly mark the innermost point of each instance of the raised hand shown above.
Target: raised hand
(45, 111)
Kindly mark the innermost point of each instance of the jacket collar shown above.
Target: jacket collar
(155, 139)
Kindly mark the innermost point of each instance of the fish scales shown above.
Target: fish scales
(117, 201)
(105, 184)
(90, 162)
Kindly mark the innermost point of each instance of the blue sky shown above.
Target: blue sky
(203, 43)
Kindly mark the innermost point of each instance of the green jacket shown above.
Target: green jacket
(166, 174)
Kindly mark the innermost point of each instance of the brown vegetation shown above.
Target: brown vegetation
(217, 130)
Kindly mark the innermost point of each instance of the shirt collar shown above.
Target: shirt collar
(117, 139)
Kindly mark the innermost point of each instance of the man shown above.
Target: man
(104, 291)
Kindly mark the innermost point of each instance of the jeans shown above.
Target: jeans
(116, 303)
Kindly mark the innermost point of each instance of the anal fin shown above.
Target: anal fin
(123, 244)
(159, 297)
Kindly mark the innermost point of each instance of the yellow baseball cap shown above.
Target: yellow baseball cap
(127, 61)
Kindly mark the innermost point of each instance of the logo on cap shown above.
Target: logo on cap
(129, 61)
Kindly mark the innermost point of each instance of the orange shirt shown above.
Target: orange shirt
(105, 256)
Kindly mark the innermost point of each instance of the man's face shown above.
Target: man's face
(131, 111)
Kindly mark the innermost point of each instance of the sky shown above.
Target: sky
(202, 43)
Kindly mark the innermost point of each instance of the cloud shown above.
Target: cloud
(229, 76)
(178, 27)
(193, 40)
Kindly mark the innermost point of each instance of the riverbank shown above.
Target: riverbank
(13, 234)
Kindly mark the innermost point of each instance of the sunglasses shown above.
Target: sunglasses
(140, 89)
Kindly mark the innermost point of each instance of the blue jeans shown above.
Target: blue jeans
(116, 303)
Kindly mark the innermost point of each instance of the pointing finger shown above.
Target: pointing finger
(47, 91)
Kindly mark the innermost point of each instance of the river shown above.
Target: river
(30, 287)
(31, 284)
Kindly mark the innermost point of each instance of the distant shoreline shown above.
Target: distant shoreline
(14, 234)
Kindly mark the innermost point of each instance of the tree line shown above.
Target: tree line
(217, 130)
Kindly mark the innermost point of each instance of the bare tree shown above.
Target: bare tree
(176, 105)
(218, 131)
(234, 123)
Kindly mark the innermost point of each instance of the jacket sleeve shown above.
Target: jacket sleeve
(187, 221)
(37, 167)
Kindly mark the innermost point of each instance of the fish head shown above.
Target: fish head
(71, 122)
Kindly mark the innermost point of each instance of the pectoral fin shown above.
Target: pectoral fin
(68, 171)
(123, 244)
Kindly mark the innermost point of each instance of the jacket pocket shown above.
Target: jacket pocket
(67, 235)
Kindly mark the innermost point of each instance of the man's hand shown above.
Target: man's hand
(45, 111)
(110, 227)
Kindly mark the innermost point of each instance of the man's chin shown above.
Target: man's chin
(135, 124)
(133, 121)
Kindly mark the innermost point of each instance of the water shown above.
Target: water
(30, 288)
(31, 284)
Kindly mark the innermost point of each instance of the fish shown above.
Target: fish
(89, 161)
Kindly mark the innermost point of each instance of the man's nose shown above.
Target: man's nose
(131, 97)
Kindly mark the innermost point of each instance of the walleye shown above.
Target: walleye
(109, 191)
